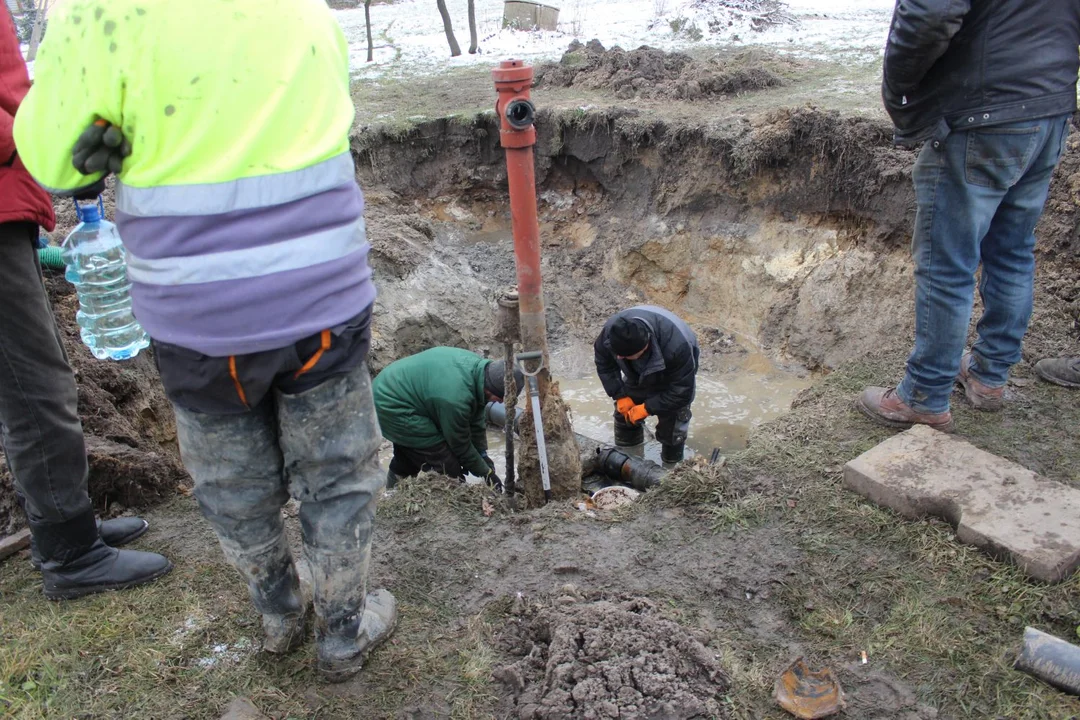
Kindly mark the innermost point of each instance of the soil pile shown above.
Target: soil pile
(649, 73)
(563, 453)
(608, 659)
(128, 422)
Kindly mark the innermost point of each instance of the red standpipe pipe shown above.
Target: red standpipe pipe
(513, 80)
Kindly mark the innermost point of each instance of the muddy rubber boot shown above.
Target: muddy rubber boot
(239, 482)
(391, 479)
(329, 437)
(75, 562)
(627, 435)
(1063, 371)
(277, 595)
(344, 649)
(884, 406)
(980, 395)
(114, 533)
(672, 454)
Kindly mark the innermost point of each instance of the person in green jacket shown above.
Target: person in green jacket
(431, 407)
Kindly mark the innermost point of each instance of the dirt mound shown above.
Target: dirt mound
(608, 659)
(564, 456)
(128, 423)
(649, 73)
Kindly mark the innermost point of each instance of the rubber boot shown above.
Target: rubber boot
(237, 468)
(391, 479)
(329, 437)
(75, 562)
(672, 454)
(114, 533)
(627, 435)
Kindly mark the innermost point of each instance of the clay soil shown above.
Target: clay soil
(785, 231)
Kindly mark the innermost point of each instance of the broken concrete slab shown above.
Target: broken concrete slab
(14, 543)
(994, 503)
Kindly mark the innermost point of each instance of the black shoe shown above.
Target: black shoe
(75, 561)
(114, 533)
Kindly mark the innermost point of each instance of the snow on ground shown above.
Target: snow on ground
(409, 39)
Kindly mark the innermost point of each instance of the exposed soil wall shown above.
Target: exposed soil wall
(790, 230)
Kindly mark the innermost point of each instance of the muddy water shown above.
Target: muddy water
(727, 407)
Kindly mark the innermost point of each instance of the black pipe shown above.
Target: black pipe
(597, 458)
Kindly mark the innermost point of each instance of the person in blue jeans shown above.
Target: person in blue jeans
(988, 89)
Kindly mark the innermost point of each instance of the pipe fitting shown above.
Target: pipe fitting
(520, 113)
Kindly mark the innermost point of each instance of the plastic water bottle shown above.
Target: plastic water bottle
(97, 267)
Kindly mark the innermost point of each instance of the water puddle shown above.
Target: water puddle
(727, 407)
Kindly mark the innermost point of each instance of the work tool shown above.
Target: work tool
(538, 422)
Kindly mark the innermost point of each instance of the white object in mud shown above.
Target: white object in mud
(614, 496)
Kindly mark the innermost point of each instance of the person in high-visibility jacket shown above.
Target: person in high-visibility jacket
(226, 124)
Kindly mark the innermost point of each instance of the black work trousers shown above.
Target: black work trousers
(39, 421)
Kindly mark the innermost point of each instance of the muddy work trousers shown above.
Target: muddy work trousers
(671, 432)
(319, 446)
(39, 424)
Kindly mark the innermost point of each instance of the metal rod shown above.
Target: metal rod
(511, 406)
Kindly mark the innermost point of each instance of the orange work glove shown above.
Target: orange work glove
(623, 405)
(637, 414)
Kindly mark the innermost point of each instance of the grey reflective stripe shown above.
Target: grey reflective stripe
(293, 254)
(244, 194)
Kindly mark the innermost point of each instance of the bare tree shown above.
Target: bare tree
(367, 20)
(455, 49)
(41, 9)
(473, 44)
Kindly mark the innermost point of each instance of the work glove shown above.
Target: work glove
(623, 405)
(488, 461)
(101, 148)
(637, 414)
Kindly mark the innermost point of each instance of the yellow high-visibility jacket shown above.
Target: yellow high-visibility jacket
(238, 206)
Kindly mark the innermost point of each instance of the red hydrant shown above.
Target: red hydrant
(513, 79)
(549, 470)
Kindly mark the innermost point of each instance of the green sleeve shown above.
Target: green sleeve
(456, 424)
(479, 433)
(74, 85)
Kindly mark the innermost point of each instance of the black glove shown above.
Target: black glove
(494, 481)
(100, 149)
(489, 461)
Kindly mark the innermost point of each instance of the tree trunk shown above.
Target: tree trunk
(455, 49)
(367, 20)
(473, 44)
(41, 9)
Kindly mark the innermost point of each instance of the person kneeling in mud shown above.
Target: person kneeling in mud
(431, 407)
(647, 359)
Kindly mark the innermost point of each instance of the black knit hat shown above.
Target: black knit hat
(493, 378)
(628, 337)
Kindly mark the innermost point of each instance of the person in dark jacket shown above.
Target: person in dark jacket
(431, 407)
(647, 360)
(988, 88)
(39, 423)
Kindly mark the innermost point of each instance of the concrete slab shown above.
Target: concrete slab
(14, 543)
(995, 504)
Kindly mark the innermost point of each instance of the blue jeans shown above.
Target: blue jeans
(979, 194)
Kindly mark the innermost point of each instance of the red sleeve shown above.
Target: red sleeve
(14, 83)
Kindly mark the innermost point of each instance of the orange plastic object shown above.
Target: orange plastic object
(809, 694)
